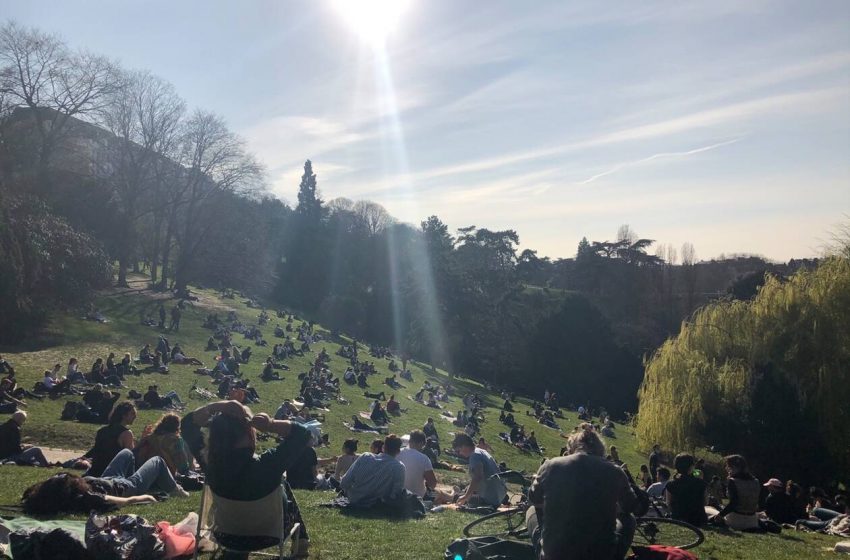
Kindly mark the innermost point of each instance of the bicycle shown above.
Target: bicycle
(510, 524)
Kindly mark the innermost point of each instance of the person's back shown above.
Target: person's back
(580, 493)
(373, 478)
(687, 501)
(416, 464)
(779, 507)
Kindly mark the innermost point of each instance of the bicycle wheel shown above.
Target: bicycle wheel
(667, 532)
(504, 524)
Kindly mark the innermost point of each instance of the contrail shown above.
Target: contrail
(620, 166)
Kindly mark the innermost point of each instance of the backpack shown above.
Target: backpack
(659, 552)
(489, 548)
(71, 410)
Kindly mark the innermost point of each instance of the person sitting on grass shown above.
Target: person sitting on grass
(582, 504)
(73, 373)
(376, 447)
(778, 505)
(54, 384)
(485, 488)
(430, 430)
(393, 407)
(157, 401)
(112, 438)
(269, 374)
(373, 478)
(743, 490)
(164, 440)
(8, 403)
(686, 494)
(419, 477)
(656, 490)
(5, 366)
(11, 448)
(145, 354)
(379, 415)
(228, 456)
(344, 462)
(99, 403)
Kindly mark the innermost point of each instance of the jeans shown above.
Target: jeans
(31, 455)
(823, 514)
(153, 474)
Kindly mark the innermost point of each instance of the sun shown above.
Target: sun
(373, 20)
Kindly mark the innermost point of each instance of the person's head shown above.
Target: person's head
(227, 433)
(48, 373)
(644, 469)
(168, 424)
(58, 494)
(72, 361)
(349, 446)
(735, 465)
(463, 445)
(663, 474)
(585, 440)
(98, 361)
(430, 420)
(417, 440)
(126, 355)
(152, 388)
(392, 445)
(111, 355)
(392, 397)
(684, 463)
(19, 417)
(377, 446)
(774, 486)
(124, 413)
(656, 447)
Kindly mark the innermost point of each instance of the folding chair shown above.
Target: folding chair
(243, 526)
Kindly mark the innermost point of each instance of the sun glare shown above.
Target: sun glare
(373, 20)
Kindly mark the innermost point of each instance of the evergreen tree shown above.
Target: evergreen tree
(309, 203)
(584, 249)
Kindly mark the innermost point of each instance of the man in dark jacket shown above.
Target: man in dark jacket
(10, 443)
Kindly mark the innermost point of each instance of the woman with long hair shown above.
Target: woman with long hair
(112, 438)
(164, 441)
(744, 490)
(233, 470)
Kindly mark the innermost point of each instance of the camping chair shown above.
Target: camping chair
(242, 526)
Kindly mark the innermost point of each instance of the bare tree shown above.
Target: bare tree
(39, 72)
(144, 118)
(627, 234)
(689, 274)
(372, 216)
(215, 161)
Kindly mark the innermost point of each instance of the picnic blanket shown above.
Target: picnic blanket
(404, 506)
(353, 429)
(438, 406)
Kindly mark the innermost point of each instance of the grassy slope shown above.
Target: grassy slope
(334, 535)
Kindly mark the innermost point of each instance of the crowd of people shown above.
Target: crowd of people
(219, 440)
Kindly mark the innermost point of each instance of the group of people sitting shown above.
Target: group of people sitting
(751, 506)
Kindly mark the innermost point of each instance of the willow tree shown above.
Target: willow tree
(769, 378)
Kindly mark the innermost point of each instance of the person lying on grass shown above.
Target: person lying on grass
(120, 484)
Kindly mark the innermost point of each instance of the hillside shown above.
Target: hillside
(333, 535)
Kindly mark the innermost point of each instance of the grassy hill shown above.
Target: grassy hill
(333, 535)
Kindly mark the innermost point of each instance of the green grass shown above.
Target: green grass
(334, 535)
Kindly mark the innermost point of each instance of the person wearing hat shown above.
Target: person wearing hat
(778, 505)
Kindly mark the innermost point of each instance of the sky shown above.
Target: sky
(721, 123)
